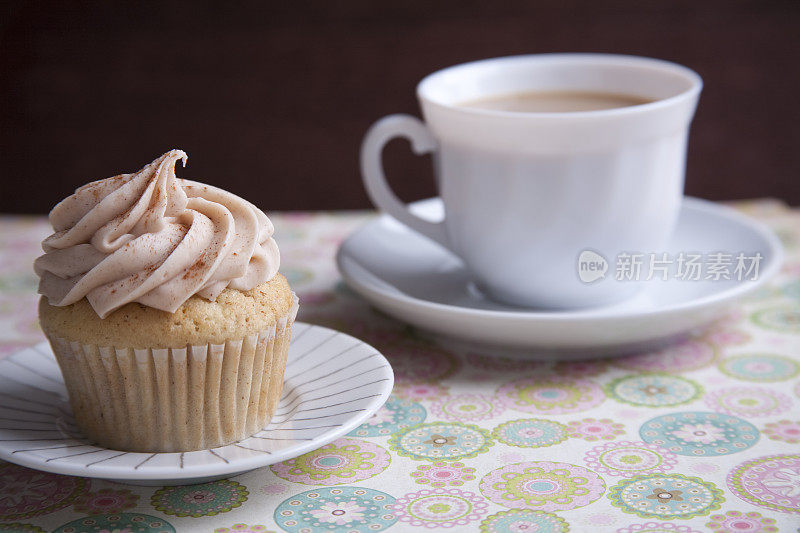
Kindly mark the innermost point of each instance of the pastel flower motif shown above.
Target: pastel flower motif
(657, 527)
(106, 501)
(199, 496)
(550, 394)
(590, 429)
(336, 509)
(442, 474)
(785, 482)
(784, 430)
(653, 390)
(763, 367)
(702, 433)
(524, 521)
(737, 521)
(415, 361)
(440, 508)
(782, 318)
(666, 496)
(466, 407)
(397, 413)
(530, 433)
(341, 461)
(629, 458)
(207, 499)
(689, 355)
(339, 513)
(772, 482)
(382, 416)
(542, 485)
(115, 523)
(419, 391)
(438, 441)
(27, 493)
(441, 441)
(727, 337)
(243, 528)
(748, 401)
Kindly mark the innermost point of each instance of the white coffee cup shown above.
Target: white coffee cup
(527, 193)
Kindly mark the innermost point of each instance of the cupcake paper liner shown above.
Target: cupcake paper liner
(176, 399)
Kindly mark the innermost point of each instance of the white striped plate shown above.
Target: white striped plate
(333, 383)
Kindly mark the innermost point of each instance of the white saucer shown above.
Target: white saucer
(334, 382)
(417, 281)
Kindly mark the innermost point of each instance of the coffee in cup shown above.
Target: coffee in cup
(555, 101)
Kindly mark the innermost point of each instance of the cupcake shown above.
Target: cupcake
(163, 304)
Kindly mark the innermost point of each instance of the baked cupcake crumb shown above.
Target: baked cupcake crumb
(234, 315)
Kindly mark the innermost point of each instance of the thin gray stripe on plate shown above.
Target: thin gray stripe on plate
(312, 427)
(356, 345)
(331, 394)
(218, 455)
(329, 405)
(143, 462)
(332, 373)
(252, 449)
(106, 459)
(49, 448)
(330, 416)
(75, 454)
(315, 348)
(297, 386)
(323, 366)
(320, 417)
(276, 438)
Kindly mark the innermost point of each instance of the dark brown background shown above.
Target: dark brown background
(271, 100)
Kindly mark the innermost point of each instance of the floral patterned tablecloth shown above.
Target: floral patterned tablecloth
(703, 435)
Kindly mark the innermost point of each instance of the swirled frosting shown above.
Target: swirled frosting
(152, 238)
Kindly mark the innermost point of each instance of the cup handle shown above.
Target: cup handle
(422, 142)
